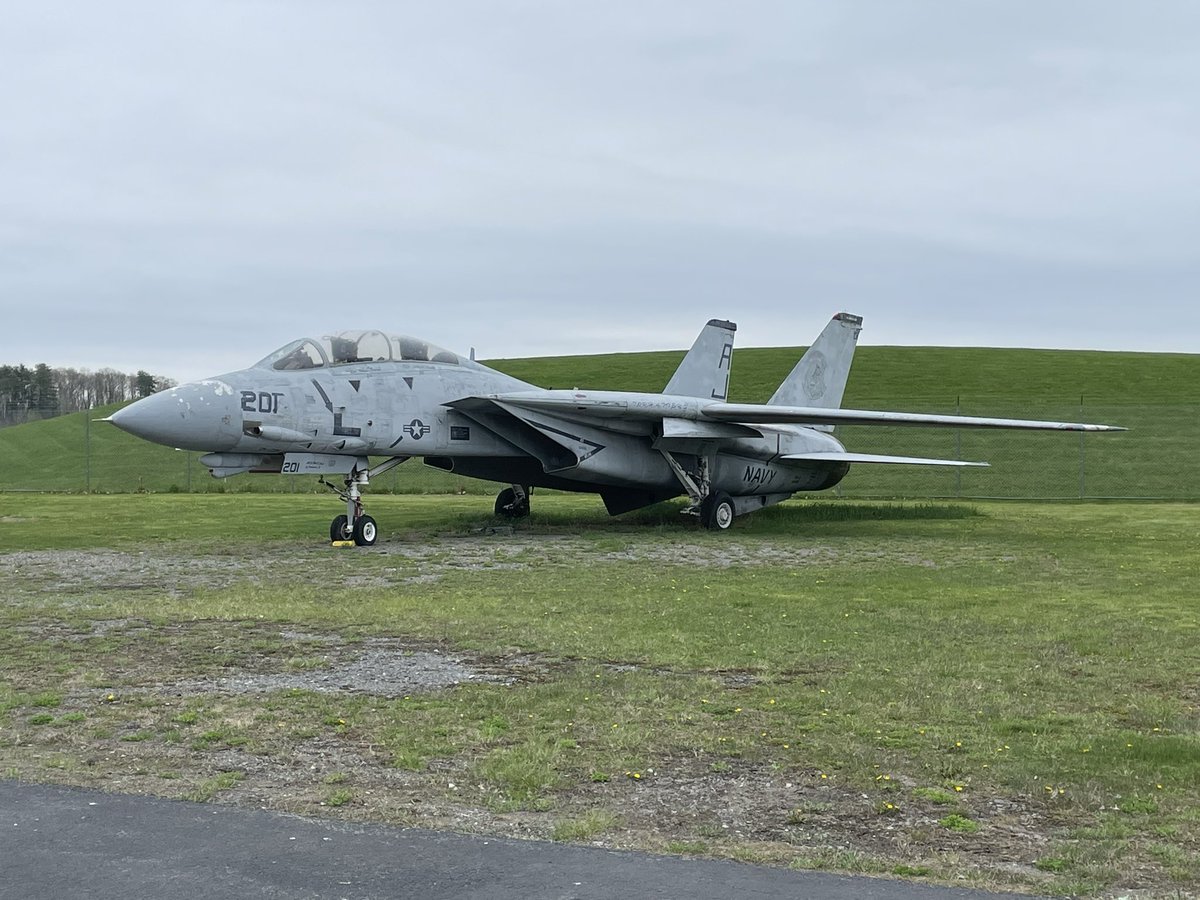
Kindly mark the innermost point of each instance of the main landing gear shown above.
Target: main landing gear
(716, 510)
(513, 502)
(356, 525)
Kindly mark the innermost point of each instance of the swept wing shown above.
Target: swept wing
(605, 406)
(803, 415)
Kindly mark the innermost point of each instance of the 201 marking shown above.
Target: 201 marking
(262, 402)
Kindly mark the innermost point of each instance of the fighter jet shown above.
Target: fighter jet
(330, 406)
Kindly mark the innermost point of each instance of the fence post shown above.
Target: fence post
(87, 449)
(958, 449)
(1082, 458)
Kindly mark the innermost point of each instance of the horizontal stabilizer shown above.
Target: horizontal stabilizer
(832, 456)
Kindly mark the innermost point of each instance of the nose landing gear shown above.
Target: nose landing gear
(356, 525)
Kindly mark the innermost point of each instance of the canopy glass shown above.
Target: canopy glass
(351, 347)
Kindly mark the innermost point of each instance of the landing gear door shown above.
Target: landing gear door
(321, 464)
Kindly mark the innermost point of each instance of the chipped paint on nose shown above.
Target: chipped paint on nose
(202, 415)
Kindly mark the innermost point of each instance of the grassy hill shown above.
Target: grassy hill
(1156, 395)
(886, 377)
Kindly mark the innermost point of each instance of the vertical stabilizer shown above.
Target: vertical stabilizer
(819, 378)
(704, 372)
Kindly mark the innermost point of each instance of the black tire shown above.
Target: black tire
(507, 506)
(717, 512)
(365, 531)
(338, 530)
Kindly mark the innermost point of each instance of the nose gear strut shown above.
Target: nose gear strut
(356, 525)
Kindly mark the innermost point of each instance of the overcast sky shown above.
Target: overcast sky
(185, 186)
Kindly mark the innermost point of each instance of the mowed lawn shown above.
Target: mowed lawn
(999, 692)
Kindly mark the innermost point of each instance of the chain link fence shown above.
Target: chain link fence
(1153, 460)
(1150, 461)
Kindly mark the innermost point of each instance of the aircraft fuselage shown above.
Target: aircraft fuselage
(259, 419)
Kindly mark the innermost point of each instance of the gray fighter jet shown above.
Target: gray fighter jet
(328, 406)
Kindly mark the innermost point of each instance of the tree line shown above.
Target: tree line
(42, 392)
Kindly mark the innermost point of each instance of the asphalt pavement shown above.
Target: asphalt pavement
(59, 843)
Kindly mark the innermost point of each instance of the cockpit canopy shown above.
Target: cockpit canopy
(350, 347)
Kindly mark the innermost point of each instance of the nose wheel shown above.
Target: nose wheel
(339, 530)
(361, 529)
(363, 532)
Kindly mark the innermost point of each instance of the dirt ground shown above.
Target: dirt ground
(747, 811)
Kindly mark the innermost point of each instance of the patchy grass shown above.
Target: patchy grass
(838, 685)
(214, 786)
(586, 827)
(955, 822)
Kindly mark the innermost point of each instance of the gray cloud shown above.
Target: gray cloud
(186, 186)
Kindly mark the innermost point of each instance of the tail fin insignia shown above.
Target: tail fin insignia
(704, 372)
(819, 378)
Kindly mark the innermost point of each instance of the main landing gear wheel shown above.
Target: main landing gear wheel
(513, 503)
(716, 512)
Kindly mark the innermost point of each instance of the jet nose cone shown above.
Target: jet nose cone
(198, 416)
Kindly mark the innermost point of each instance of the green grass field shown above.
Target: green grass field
(1157, 396)
(995, 694)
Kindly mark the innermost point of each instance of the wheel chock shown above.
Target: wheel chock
(342, 544)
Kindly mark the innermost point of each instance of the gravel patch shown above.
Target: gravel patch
(396, 563)
(380, 670)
